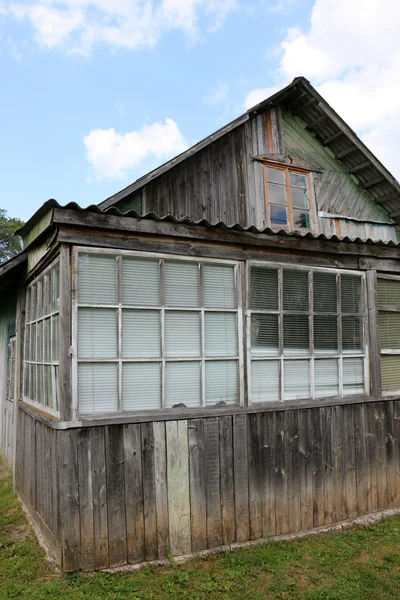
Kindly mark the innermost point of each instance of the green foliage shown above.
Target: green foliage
(9, 245)
(362, 564)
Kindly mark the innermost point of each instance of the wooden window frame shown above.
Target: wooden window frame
(385, 351)
(311, 356)
(162, 309)
(28, 326)
(287, 169)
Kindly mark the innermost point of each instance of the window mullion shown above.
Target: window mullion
(202, 338)
(289, 199)
(311, 332)
(162, 324)
(340, 333)
(119, 329)
(280, 328)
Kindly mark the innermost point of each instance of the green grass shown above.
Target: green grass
(360, 564)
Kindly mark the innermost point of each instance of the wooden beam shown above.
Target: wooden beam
(318, 121)
(300, 108)
(387, 198)
(373, 182)
(346, 152)
(330, 139)
(374, 354)
(363, 165)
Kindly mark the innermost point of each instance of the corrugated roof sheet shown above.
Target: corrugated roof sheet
(50, 204)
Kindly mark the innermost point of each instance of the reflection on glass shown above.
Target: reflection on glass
(301, 218)
(298, 180)
(278, 215)
(276, 193)
(299, 197)
(276, 175)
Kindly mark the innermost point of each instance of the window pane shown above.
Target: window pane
(276, 194)
(295, 290)
(181, 284)
(299, 197)
(55, 279)
(55, 338)
(47, 292)
(32, 311)
(351, 293)
(295, 335)
(222, 382)
(141, 386)
(39, 307)
(325, 335)
(326, 377)
(278, 215)
(220, 334)
(47, 339)
(352, 338)
(264, 335)
(276, 175)
(27, 342)
(301, 218)
(32, 389)
(40, 387)
(141, 335)
(54, 384)
(353, 376)
(388, 292)
(39, 341)
(390, 371)
(140, 282)
(182, 384)
(389, 330)
(298, 179)
(48, 386)
(264, 289)
(219, 286)
(296, 380)
(33, 342)
(182, 334)
(97, 279)
(325, 292)
(97, 388)
(265, 384)
(97, 333)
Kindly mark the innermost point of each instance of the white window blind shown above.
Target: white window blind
(388, 293)
(313, 322)
(168, 329)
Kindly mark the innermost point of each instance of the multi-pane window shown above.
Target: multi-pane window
(388, 291)
(155, 332)
(288, 203)
(41, 350)
(305, 334)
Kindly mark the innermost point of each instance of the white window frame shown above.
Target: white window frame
(311, 356)
(55, 381)
(386, 352)
(238, 265)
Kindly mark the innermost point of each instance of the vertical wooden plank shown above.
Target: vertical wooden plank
(340, 463)
(160, 465)
(329, 484)
(350, 461)
(64, 369)
(362, 467)
(390, 455)
(267, 443)
(240, 462)
(115, 495)
(87, 561)
(255, 481)
(31, 462)
(149, 492)
(373, 325)
(396, 452)
(318, 469)
(197, 484)
(372, 462)
(226, 479)
(69, 499)
(178, 487)
(281, 480)
(293, 453)
(134, 493)
(214, 528)
(380, 428)
(99, 492)
(305, 470)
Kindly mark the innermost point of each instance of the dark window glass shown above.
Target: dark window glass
(278, 215)
(301, 218)
(276, 193)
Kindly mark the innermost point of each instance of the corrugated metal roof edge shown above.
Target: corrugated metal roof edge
(50, 204)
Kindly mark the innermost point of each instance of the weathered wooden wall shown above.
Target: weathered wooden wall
(127, 493)
(8, 309)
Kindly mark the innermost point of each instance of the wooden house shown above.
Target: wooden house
(212, 355)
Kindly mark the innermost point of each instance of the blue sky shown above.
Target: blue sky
(95, 93)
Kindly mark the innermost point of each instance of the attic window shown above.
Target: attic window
(288, 202)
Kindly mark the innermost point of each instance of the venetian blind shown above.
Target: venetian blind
(265, 381)
(97, 279)
(141, 386)
(181, 284)
(222, 380)
(98, 387)
(219, 286)
(140, 282)
(141, 334)
(220, 334)
(182, 334)
(182, 384)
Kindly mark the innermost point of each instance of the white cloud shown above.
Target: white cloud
(77, 25)
(256, 96)
(112, 154)
(216, 95)
(351, 53)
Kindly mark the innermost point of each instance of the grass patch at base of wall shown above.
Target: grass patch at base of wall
(355, 565)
